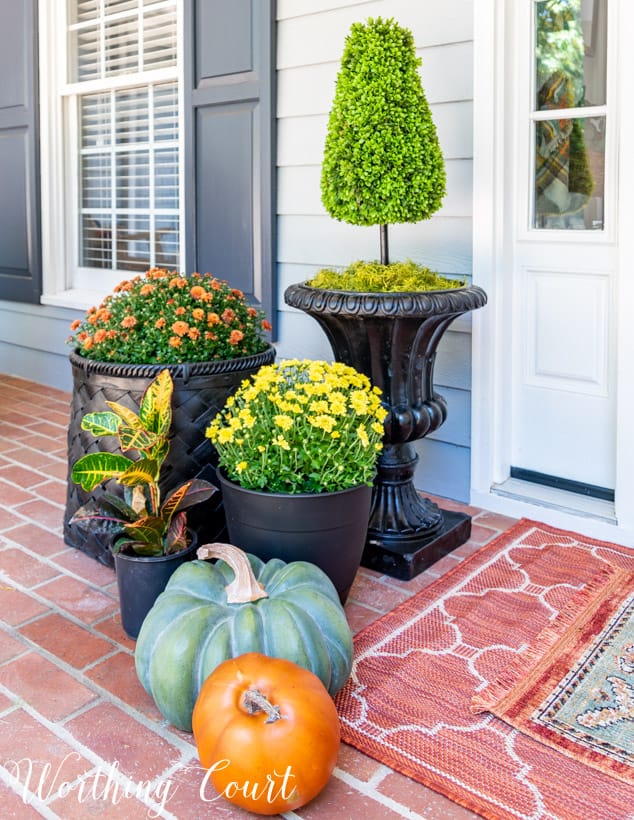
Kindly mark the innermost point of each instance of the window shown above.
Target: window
(118, 93)
(569, 117)
(118, 106)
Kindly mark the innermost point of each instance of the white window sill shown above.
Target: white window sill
(76, 298)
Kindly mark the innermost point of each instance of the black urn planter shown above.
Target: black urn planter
(326, 529)
(393, 339)
(141, 579)
(200, 391)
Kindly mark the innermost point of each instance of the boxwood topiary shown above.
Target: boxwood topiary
(382, 160)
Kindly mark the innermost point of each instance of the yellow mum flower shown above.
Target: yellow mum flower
(280, 441)
(359, 402)
(285, 422)
(247, 417)
(338, 405)
(323, 422)
(249, 395)
(362, 433)
(241, 466)
(315, 372)
(319, 406)
(225, 436)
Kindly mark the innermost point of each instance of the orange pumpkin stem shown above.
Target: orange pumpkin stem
(255, 701)
(245, 586)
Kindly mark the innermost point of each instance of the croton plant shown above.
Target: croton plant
(139, 521)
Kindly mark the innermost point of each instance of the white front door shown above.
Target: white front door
(553, 243)
(562, 249)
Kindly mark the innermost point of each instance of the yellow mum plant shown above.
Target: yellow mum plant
(301, 426)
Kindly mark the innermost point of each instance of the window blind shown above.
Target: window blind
(128, 141)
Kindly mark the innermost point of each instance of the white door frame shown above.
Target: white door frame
(491, 353)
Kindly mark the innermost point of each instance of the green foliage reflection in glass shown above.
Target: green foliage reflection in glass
(560, 45)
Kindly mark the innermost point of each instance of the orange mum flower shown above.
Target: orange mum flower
(193, 333)
(228, 315)
(75, 324)
(88, 343)
(252, 312)
(235, 337)
(198, 314)
(180, 311)
(265, 325)
(147, 289)
(237, 293)
(129, 321)
(197, 292)
(213, 319)
(100, 336)
(160, 323)
(180, 329)
(175, 341)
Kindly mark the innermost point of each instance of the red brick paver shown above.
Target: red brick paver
(69, 695)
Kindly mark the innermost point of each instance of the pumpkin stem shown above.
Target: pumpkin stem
(245, 586)
(255, 701)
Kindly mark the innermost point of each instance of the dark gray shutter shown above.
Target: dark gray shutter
(229, 143)
(20, 263)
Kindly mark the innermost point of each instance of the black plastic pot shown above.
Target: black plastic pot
(141, 580)
(326, 529)
(200, 392)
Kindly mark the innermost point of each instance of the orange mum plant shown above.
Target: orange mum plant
(164, 317)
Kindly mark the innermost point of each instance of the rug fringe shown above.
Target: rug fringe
(519, 669)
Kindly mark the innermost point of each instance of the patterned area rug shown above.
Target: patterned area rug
(573, 688)
(470, 637)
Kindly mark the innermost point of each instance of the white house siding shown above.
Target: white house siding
(32, 342)
(310, 35)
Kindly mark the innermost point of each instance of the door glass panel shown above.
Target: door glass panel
(570, 73)
(569, 174)
(570, 37)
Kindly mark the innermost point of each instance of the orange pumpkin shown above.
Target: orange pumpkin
(267, 732)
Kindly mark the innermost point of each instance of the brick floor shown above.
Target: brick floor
(69, 695)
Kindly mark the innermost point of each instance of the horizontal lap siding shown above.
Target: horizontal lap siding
(32, 343)
(311, 35)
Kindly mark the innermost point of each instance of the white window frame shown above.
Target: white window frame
(525, 183)
(59, 166)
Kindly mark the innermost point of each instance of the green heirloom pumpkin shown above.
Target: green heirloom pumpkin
(209, 613)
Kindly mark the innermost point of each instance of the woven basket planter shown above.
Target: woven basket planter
(200, 391)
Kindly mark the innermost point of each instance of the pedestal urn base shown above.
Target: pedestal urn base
(393, 338)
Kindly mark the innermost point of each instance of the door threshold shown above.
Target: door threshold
(556, 499)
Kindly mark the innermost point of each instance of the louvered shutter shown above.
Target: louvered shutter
(229, 143)
(20, 263)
